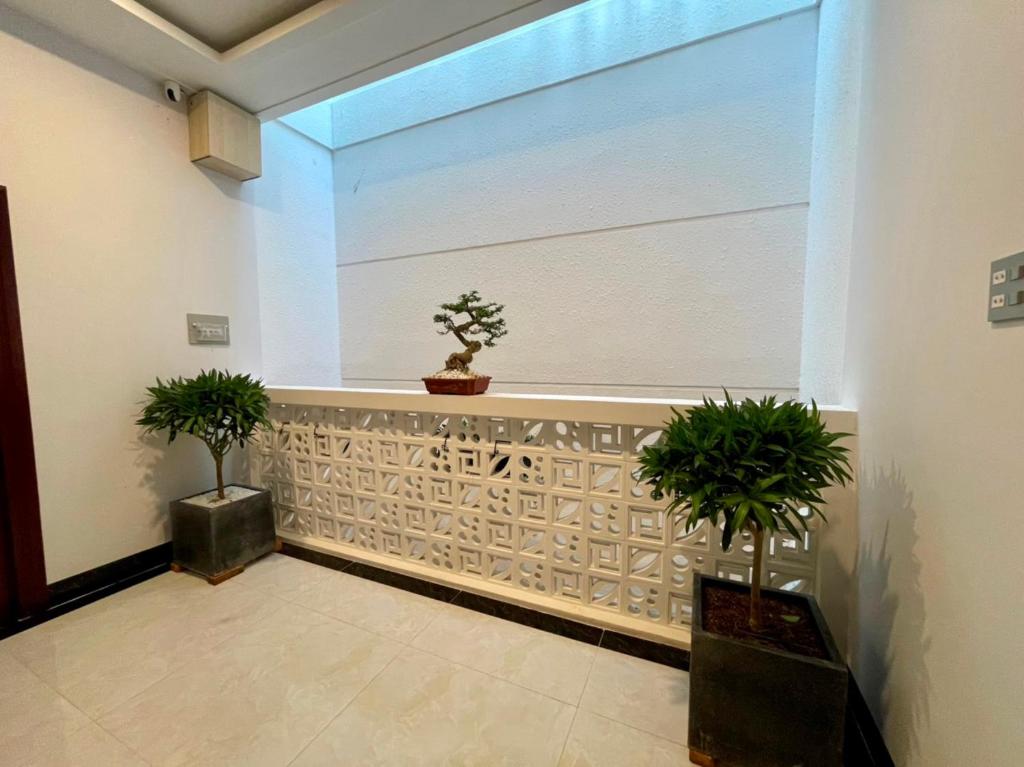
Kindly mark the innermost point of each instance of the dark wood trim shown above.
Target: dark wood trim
(92, 585)
(128, 570)
(864, 746)
(23, 532)
(554, 624)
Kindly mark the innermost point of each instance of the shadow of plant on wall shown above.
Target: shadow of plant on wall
(170, 471)
(892, 611)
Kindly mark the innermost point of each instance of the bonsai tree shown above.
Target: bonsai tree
(752, 465)
(468, 317)
(219, 408)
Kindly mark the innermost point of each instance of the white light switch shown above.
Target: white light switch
(208, 329)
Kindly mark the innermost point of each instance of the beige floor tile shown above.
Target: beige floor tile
(546, 663)
(89, 746)
(257, 699)
(181, 673)
(648, 696)
(32, 714)
(373, 606)
(276, 572)
(107, 652)
(423, 710)
(598, 742)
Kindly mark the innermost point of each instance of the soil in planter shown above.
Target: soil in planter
(786, 625)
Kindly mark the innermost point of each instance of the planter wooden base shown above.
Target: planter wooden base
(213, 580)
(701, 759)
(461, 386)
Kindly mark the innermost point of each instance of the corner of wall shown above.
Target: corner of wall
(832, 199)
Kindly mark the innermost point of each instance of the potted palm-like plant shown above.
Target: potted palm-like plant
(215, 533)
(767, 684)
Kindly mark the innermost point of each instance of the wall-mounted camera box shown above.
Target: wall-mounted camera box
(223, 137)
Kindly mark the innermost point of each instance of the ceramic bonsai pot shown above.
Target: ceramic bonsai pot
(462, 386)
(217, 539)
(753, 705)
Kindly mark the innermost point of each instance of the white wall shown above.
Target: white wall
(833, 199)
(116, 237)
(296, 259)
(314, 122)
(582, 39)
(939, 196)
(645, 226)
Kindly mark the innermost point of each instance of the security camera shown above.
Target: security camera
(172, 91)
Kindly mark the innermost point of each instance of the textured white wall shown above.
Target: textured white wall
(645, 226)
(939, 196)
(580, 40)
(296, 257)
(833, 197)
(826, 279)
(116, 237)
(315, 122)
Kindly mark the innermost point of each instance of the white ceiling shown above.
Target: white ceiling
(325, 49)
(226, 23)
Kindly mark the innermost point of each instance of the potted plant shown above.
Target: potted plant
(218, 532)
(767, 684)
(466, 318)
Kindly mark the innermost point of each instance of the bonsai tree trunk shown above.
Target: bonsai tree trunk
(755, 580)
(461, 360)
(218, 461)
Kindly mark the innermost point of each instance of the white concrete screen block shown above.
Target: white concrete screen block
(497, 498)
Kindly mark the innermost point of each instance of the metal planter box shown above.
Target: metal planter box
(754, 706)
(217, 542)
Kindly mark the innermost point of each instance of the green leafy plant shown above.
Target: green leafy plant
(480, 319)
(751, 465)
(219, 408)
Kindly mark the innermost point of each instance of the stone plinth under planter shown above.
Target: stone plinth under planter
(217, 540)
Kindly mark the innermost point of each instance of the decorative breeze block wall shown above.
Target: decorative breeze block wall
(549, 507)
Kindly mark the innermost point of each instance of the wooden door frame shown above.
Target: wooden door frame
(22, 534)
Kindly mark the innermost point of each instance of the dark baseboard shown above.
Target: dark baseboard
(89, 586)
(864, 744)
(581, 632)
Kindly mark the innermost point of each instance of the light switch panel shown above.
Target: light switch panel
(1006, 289)
(208, 329)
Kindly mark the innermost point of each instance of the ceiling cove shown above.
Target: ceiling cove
(272, 57)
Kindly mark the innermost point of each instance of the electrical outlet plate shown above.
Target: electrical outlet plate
(208, 329)
(1006, 289)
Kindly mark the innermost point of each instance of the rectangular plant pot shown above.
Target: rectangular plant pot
(463, 386)
(219, 541)
(755, 706)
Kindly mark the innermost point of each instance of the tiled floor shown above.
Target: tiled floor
(292, 663)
